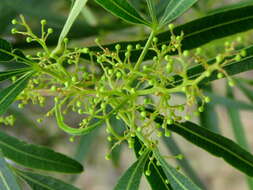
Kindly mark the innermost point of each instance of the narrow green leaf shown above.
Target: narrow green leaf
(41, 182)
(157, 178)
(184, 163)
(5, 47)
(152, 10)
(238, 130)
(37, 157)
(132, 177)
(174, 9)
(197, 32)
(176, 179)
(119, 126)
(215, 144)
(228, 102)
(83, 149)
(8, 95)
(7, 178)
(209, 118)
(75, 11)
(123, 10)
(246, 91)
(16, 72)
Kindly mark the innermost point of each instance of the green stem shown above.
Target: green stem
(145, 50)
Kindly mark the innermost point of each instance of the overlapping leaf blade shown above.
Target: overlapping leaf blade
(176, 179)
(174, 9)
(158, 177)
(41, 182)
(215, 144)
(197, 32)
(123, 10)
(132, 177)
(5, 48)
(16, 72)
(37, 157)
(238, 130)
(7, 178)
(8, 95)
(184, 163)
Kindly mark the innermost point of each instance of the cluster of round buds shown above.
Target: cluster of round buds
(9, 120)
(114, 86)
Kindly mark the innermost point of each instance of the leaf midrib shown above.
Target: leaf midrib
(4, 180)
(212, 142)
(157, 170)
(213, 27)
(140, 20)
(129, 185)
(204, 30)
(171, 13)
(171, 173)
(18, 84)
(35, 181)
(33, 156)
(197, 74)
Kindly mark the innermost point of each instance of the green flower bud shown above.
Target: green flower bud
(187, 117)
(147, 172)
(243, 53)
(117, 47)
(207, 99)
(231, 83)
(186, 53)
(143, 114)
(14, 21)
(53, 88)
(85, 50)
(118, 75)
(171, 26)
(50, 30)
(167, 133)
(14, 31)
(66, 40)
(129, 48)
(238, 58)
(219, 58)
(198, 51)
(109, 138)
(29, 39)
(164, 47)
(74, 79)
(108, 157)
(201, 109)
(138, 46)
(43, 22)
(155, 39)
(220, 75)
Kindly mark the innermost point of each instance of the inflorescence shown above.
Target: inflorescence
(111, 85)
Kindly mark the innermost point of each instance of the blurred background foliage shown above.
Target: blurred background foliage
(229, 109)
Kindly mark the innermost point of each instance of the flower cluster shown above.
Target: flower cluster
(110, 84)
